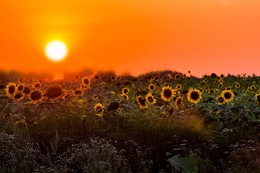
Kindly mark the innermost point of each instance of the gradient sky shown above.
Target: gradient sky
(134, 36)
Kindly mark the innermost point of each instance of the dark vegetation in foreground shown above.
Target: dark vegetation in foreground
(157, 122)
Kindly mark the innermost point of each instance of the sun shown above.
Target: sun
(56, 50)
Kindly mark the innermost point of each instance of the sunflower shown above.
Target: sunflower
(99, 109)
(157, 78)
(178, 101)
(37, 85)
(257, 98)
(222, 75)
(207, 90)
(141, 101)
(96, 77)
(10, 89)
(220, 100)
(253, 88)
(53, 92)
(220, 85)
(228, 95)
(85, 81)
(237, 85)
(36, 96)
(26, 90)
(83, 87)
(78, 92)
(150, 99)
(113, 106)
(178, 86)
(221, 80)
(213, 75)
(216, 81)
(126, 97)
(151, 87)
(125, 90)
(18, 95)
(113, 78)
(194, 95)
(185, 91)
(177, 76)
(20, 87)
(168, 93)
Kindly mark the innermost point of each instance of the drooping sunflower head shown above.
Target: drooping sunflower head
(53, 92)
(10, 89)
(2, 86)
(178, 86)
(36, 96)
(151, 87)
(85, 81)
(228, 95)
(98, 108)
(18, 95)
(141, 101)
(157, 78)
(221, 80)
(150, 99)
(178, 102)
(168, 93)
(257, 98)
(26, 90)
(194, 95)
(113, 106)
(213, 75)
(125, 90)
(220, 85)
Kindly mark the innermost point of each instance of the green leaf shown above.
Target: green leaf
(186, 164)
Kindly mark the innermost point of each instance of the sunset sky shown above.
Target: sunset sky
(133, 36)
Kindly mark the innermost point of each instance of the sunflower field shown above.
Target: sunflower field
(159, 122)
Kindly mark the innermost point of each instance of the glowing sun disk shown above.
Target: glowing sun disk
(56, 51)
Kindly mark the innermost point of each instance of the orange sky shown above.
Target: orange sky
(135, 36)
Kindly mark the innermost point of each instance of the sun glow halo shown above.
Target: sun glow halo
(56, 51)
